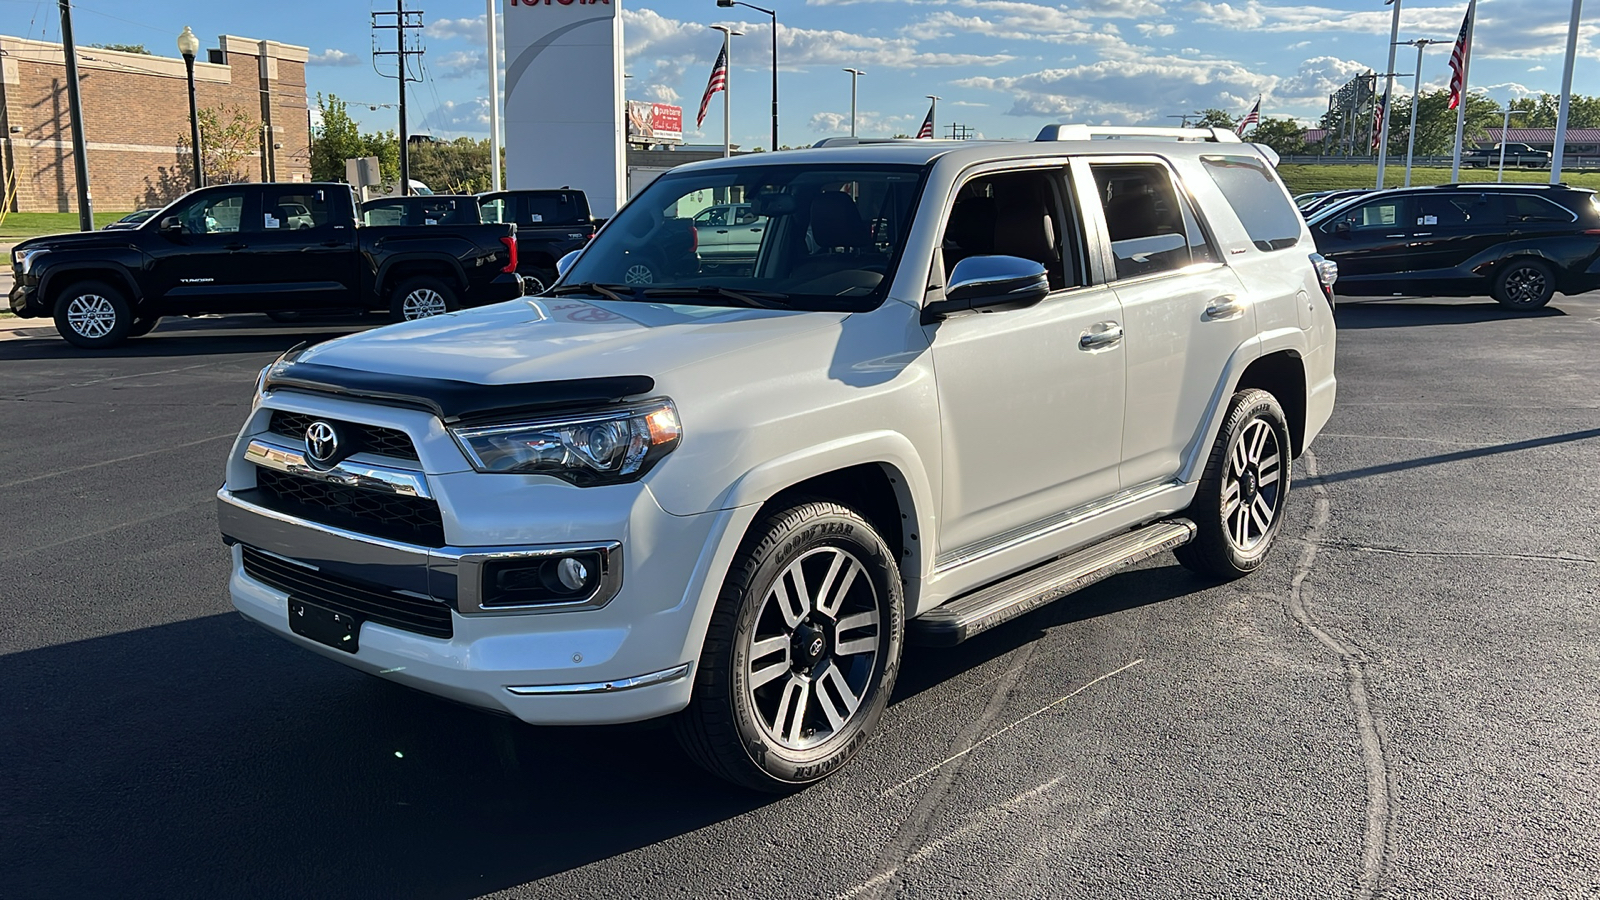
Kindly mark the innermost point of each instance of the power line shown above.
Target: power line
(402, 21)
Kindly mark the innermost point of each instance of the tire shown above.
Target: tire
(421, 298)
(93, 315)
(642, 271)
(537, 282)
(142, 327)
(1239, 506)
(775, 722)
(1524, 284)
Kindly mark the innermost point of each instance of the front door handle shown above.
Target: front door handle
(1224, 308)
(1100, 336)
(235, 246)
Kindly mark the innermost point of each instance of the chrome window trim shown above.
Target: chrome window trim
(367, 476)
(454, 574)
(665, 676)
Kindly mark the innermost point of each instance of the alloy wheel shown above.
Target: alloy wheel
(1252, 488)
(1525, 286)
(91, 315)
(639, 273)
(423, 303)
(814, 648)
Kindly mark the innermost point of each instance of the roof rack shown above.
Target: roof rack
(1498, 185)
(1109, 132)
(855, 141)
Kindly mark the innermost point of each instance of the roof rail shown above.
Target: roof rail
(1113, 132)
(857, 141)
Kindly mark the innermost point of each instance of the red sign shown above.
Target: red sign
(654, 123)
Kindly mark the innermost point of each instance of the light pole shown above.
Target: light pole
(189, 45)
(933, 114)
(774, 15)
(1505, 126)
(494, 98)
(728, 34)
(1557, 157)
(1388, 93)
(1416, 95)
(854, 74)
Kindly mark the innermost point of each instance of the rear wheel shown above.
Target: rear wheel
(93, 314)
(802, 651)
(537, 281)
(421, 298)
(1239, 505)
(1524, 284)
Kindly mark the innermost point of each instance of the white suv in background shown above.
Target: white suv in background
(957, 381)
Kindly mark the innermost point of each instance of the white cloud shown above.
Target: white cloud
(867, 123)
(468, 115)
(1160, 31)
(1128, 90)
(452, 29)
(331, 57)
(661, 93)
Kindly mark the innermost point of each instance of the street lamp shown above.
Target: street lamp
(774, 15)
(1504, 127)
(728, 34)
(854, 74)
(189, 45)
(1416, 95)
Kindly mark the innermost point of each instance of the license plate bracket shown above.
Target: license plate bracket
(325, 626)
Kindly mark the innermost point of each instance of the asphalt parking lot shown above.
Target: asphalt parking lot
(1401, 704)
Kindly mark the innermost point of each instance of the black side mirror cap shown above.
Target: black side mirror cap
(171, 225)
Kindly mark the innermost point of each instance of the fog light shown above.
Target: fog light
(572, 574)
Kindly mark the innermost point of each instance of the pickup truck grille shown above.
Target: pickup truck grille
(370, 438)
(356, 598)
(413, 520)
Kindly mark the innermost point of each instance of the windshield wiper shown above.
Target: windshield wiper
(608, 291)
(756, 299)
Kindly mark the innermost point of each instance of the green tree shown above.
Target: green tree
(228, 137)
(1215, 118)
(460, 166)
(340, 138)
(1542, 109)
(1286, 136)
(124, 48)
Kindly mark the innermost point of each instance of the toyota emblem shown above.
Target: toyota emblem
(322, 444)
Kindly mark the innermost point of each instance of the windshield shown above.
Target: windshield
(794, 236)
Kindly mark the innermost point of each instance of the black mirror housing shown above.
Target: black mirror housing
(172, 225)
(990, 284)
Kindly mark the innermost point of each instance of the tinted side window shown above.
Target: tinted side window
(1523, 208)
(383, 213)
(218, 213)
(1144, 217)
(1014, 214)
(1378, 214)
(493, 211)
(295, 210)
(552, 208)
(1256, 198)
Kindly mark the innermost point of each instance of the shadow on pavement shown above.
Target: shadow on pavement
(207, 758)
(1459, 455)
(1410, 313)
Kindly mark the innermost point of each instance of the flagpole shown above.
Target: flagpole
(1461, 105)
(727, 89)
(494, 99)
(1559, 150)
(933, 113)
(1388, 93)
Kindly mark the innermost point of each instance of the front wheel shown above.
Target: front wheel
(1524, 284)
(93, 315)
(421, 298)
(1239, 505)
(801, 653)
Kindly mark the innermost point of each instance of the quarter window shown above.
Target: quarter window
(1257, 199)
(1152, 229)
(1523, 208)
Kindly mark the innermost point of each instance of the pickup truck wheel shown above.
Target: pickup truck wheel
(93, 314)
(1524, 284)
(537, 282)
(421, 298)
(642, 271)
(801, 653)
(1239, 505)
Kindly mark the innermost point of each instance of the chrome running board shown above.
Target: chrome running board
(983, 609)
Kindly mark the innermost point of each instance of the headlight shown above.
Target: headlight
(25, 258)
(594, 448)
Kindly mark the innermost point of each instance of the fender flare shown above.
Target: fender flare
(387, 266)
(1267, 343)
(120, 276)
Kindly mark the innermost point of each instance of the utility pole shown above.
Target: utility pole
(404, 21)
(80, 145)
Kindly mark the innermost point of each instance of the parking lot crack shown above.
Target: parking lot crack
(1377, 843)
(1448, 554)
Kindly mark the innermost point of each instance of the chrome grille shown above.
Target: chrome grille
(370, 438)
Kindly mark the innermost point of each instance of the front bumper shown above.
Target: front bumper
(24, 296)
(630, 660)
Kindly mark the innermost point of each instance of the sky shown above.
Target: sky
(1004, 68)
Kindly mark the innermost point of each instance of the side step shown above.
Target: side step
(1024, 592)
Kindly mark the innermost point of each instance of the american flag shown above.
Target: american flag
(1250, 118)
(1377, 124)
(718, 82)
(1458, 58)
(926, 131)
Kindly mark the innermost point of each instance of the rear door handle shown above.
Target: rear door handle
(1100, 336)
(1224, 308)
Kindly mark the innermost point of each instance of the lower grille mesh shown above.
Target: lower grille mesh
(364, 601)
(413, 520)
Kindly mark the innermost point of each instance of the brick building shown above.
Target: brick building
(136, 120)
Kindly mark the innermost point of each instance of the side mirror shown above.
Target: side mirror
(565, 263)
(990, 284)
(172, 225)
(1342, 228)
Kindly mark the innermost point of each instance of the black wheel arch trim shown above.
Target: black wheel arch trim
(388, 266)
(455, 401)
(114, 272)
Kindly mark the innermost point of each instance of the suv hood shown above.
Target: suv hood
(558, 338)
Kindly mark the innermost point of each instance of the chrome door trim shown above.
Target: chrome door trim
(367, 476)
(1020, 535)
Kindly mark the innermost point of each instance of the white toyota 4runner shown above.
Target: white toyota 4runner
(956, 381)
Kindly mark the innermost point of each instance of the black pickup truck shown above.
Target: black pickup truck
(550, 224)
(270, 248)
(1517, 156)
